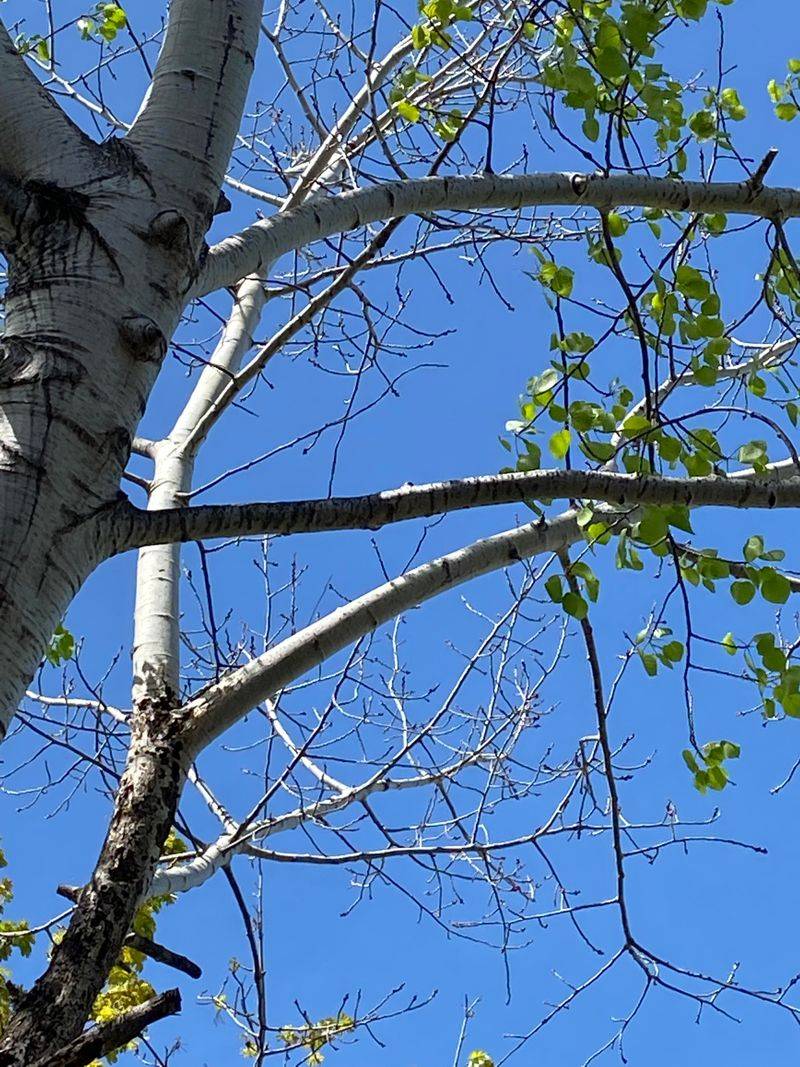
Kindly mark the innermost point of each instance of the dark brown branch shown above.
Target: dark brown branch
(115, 1034)
(152, 949)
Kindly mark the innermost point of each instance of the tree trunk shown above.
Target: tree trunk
(103, 244)
(56, 1008)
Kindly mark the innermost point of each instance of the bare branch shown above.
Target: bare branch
(137, 528)
(110, 1036)
(222, 704)
(262, 243)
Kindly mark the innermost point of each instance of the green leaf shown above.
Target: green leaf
(408, 111)
(743, 592)
(754, 453)
(554, 588)
(617, 224)
(636, 424)
(753, 548)
(717, 777)
(703, 125)
(575, 605)
(728, 642)
(715, 224)
(673, 651)
(775, 587)
(591, 128)
(732, 105)
(653, 526)
(61, 648)
(650, 663)
(611, 64)
(690, 761)
(479, 1058)
(691, 283)
(559, 443)
(678, 515)
(786, 111)
(558, 279)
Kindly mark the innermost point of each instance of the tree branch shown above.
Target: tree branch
(248, 251)
(133, 527)
(113, 1035)
(222, 704)
(217, 708)
(152, 949)
(189, 119)
(38, 140)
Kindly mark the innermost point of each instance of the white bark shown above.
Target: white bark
(98, 282)
(265, 241)
(370, 512)
(156, 649)
(222, 704)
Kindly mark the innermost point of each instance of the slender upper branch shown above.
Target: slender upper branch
(248, 251)
(222, 704)
(135, 528)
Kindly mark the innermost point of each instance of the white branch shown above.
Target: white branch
(134, 528)
(222, 704)
(265, 241)
(189, 119)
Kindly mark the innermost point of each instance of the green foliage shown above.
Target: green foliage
(656, 645)
(15, 936)
(777, 677)
(599, 64)
(575, 603)
(448, 126)
(103, 22)
(784, 95)
(480, 1059)
(315, 1036)
(33, 44)
(61, 647)
(430, 32)
(708, 764)
(125, 987)
(558, 280)
(705, 568)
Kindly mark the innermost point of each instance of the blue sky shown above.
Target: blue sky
(705, 908)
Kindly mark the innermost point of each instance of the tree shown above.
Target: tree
(385, 147)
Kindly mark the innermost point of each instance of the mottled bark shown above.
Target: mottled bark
(247, 252)
(57, 1007)
(117, 1033)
